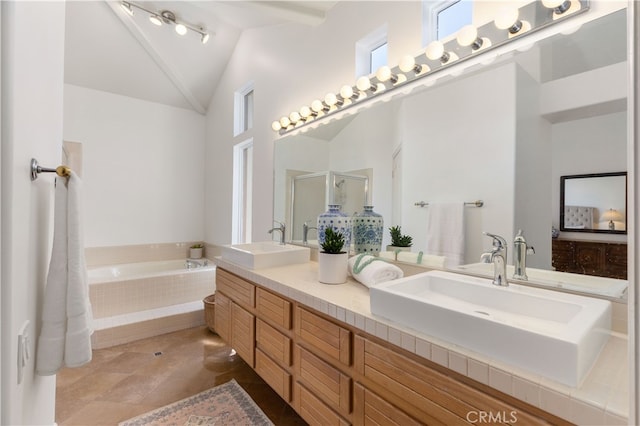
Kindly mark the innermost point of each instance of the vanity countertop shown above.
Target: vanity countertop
(602, 398)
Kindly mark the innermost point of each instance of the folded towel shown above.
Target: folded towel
(445, 232)
(65, 338)
(371, 270)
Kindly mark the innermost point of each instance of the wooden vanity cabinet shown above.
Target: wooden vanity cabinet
(334, 374)
(598, 258)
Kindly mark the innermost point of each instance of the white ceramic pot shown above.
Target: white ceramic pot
(332, 268)
(195, 253)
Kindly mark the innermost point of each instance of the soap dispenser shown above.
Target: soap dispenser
(521, 250)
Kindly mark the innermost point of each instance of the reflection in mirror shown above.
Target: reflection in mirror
(594, 203)
(503, 132)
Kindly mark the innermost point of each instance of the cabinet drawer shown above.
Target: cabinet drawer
(273, 343)
(324, 335)
(423, 392)
(222, 315)
(326, 382)
(273, 308)
(314, 411)
(274, 375)
(243, 333)
(370, 409)
(240, 291)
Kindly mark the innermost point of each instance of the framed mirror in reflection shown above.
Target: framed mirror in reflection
(594, 202)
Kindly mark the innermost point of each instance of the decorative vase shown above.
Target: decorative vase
(195, 253)
(368, 227)
(338, 221)
(332, 267)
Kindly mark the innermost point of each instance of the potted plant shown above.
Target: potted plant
(332, 260)
(399, 242)
(195, 251)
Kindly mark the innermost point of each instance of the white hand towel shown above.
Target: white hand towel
(373, 270)
(445, 232)
(65, 338)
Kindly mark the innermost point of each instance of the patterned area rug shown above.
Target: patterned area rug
(227, 404)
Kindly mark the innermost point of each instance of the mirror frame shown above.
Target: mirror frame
(563, 180)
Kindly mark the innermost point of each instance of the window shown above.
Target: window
(443, 18)
(371, 52)
(243, 109)
(242, 192)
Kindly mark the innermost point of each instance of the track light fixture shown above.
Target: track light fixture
(166, 17)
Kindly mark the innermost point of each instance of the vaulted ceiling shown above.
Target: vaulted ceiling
(109, 50)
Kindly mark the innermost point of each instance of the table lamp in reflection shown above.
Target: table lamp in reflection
(612, 216)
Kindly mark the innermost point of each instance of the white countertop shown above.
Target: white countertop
(601, 399)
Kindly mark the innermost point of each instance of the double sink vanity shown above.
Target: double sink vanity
(434, 347)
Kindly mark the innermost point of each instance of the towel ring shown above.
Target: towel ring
(62, 171)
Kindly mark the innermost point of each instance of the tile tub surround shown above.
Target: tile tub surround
(602, 397)
(113, 255)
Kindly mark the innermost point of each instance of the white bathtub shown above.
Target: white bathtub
(147, 298)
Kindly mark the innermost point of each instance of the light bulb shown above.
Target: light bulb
(383, 73)
(294, 117)
(407, 63)
(181, 29)
(435, 51)
(468, 36)
(363, 83)
(276, 126)
(155, 20)
(317, 105)
(346, 91)
(330, 99)
(285, 122)
(205, 38)
(558, 6)
(305, 111)
(507, 19)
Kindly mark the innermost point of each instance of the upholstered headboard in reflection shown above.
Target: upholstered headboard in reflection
(578, 217)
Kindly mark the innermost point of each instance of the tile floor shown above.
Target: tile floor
(127, 380)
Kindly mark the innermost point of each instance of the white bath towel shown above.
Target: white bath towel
(65, 338)
(371, 270)
(445, 232)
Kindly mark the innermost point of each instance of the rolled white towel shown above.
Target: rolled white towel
(371, 270)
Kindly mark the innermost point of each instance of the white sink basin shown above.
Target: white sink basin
(577, 282)
(265, 254)
(556, 335)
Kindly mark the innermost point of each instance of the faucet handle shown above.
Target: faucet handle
(498, 241)
(531, 250)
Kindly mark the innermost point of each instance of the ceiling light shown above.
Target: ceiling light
(155, 20)
(127, 8)
(205, 38)
(181, 29)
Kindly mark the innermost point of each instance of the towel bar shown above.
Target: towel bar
(62, 171)
(477, 203)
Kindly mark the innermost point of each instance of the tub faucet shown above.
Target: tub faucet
(497, 256)
(521, 250)
(280, 228)
(305, 232)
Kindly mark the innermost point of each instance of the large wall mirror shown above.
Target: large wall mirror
(503, 132)
(594, 202)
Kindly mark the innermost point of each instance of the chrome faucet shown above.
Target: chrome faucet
(497, 256)
(280, 228)
(521, 250)
(305, 232)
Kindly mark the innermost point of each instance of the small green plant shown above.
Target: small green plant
(333, 241)
(197, 246)
(399, 240)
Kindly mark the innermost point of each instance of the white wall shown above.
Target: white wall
(32, 92)
(143, 168)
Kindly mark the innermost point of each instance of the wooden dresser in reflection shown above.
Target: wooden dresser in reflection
(599, 258)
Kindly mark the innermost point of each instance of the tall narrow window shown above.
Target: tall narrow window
(442, 19)
(371, 52)
(242, 192)
(243, 109)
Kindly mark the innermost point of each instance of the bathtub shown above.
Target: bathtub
(138, 300)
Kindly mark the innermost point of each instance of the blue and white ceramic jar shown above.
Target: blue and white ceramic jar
(368, 227)
(339, 221)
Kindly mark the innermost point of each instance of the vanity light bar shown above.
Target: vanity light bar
(510, 23)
